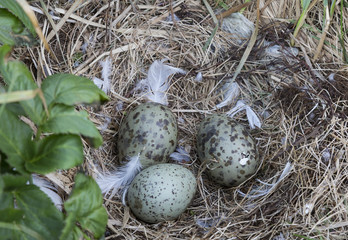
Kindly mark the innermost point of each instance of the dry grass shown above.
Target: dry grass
(304, 115)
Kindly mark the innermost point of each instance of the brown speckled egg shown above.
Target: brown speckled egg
(150, 130)
(227, 149)
(161, 192)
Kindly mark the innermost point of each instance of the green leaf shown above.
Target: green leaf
(305, 4)
(18, 78)
(12, 30)
(4, 166)
(85, 206)
(55, 152)
(305, 7)
(11, 215)
(14, 138)
(41, 215)
(9, 231)
(71, 90)
(65, 119)
(16, 109)
(17, 10)
(6, 199)
(345, 3)
(13, 182)
(342, 35)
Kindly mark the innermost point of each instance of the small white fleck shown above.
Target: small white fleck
(199, 77)
(119, 106)
(332, 77)
(326, 155)
(181, 120)
(243, 161)
(308, 208)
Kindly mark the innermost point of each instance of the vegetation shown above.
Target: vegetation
(40, 132)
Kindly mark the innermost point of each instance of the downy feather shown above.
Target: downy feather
(114, 182)
(251, 115)
(232, 92)
(157, 81)
(106, 72)
(49, 189)
(180, 155)
(266, 188)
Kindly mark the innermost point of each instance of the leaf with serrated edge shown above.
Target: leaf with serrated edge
(18, 78)
(55, 152)
(71, 90)
(65, 119)
(17, 10)
(40, 213)
(90, 214)
(12, 31)
(14, 137)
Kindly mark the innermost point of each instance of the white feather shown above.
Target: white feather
(232, 92)
(251, 115)
(253, 119)
(239, 27)
(157, 81)
(49, 189)
(180, 155)
(114, 182)
(276, 51)
(331, 77)
(199, 77)
(106, 124)
(119, 106)
(267, 188)
(98, 82)
(170, 18)
(106, 72)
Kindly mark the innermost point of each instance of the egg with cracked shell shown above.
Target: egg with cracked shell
(161, 192)
(228, 150)
(150, 131)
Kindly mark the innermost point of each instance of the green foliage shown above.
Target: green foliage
(52, 142)
(305, 7)
(12, 25)
(89, 214)
(343, 33)
(18, 11)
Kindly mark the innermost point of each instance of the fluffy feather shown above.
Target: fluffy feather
(266, 188)
(49, 189)
(114, 182)
(239, 26)
(180, 155)
(251, 115)
(157, 81)
(199, 77)
(106, 72)
(232, 92)
(98, 82)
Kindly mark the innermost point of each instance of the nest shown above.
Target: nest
(302, 105)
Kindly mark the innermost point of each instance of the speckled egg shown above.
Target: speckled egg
(150, 130)
(161, 192)
(228, 149)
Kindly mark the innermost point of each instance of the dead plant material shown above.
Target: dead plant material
(303, 112)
